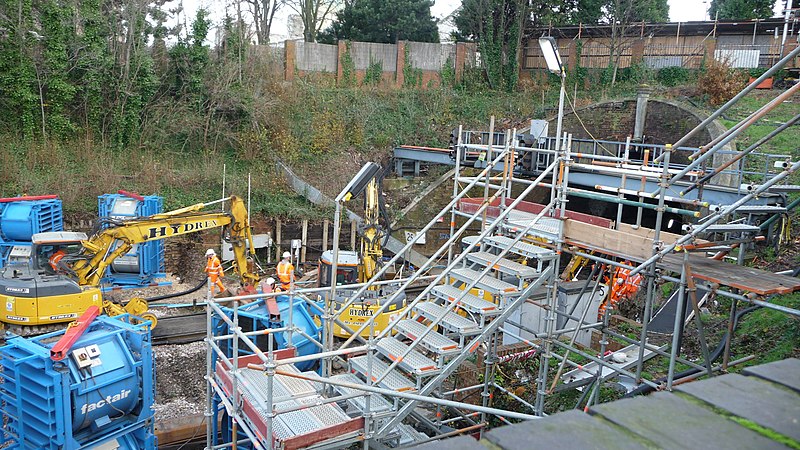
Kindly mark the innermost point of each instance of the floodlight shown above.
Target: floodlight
(550, 53)
(359, 182)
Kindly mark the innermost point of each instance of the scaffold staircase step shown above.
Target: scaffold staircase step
(486, 282)
(394, 380)
(450, 320)
(414, 362)
(433, 341)
(468, 302)
(520, 248)
(732, 228)
(505, 266)
(377, 404)
(546, 227)
(760, 209)
(784, 188)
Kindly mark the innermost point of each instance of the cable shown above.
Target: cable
(575, 111)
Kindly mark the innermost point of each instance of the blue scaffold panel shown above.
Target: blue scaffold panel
(145, 262)
(19, 220)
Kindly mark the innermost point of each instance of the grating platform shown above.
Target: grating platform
(414, 362)
(505, 266)
(487, 283)
(300, 413)
(377, 403)
(546, 227)
(433, 341)
(450, 321)
(283, 387)
(394, 380)
(520, 248)
(468, 302)
(305, 421)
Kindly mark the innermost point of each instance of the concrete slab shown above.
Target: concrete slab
(674, 422)
(456, 443)
(571, 429)
(767, 404)
(785, 372)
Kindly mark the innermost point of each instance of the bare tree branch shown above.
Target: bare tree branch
(313, 20)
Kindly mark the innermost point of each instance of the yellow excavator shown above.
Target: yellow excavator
(47, 292)
(359, 267)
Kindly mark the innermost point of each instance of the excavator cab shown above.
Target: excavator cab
(346, 269)
(47, 247)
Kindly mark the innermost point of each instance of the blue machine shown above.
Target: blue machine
(255, 316)
(102, 393)
(21, 219)
(145, 262)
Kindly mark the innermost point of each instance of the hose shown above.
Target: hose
(178, 294)
(645, 388)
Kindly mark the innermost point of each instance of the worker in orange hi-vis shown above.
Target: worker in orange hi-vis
(55, 258)
(285, 271)
(623, 287)
(214, 271)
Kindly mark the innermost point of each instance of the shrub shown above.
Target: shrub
(673, 76)
(719, 83)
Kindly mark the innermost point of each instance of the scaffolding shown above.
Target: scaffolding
(366, 387)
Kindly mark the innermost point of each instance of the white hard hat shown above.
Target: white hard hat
(287, 255)
(270, 280)
(210, 252)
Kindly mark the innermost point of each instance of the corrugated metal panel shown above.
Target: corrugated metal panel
(739, 58)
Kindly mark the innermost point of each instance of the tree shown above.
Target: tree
(741, 9)
(263, 12)
(496, 25)
(384, 21)
(313, 14)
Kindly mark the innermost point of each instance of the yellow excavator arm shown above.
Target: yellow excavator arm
(103, 247)
(371, 251)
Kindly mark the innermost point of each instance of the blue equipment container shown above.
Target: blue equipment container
(145, 262)
(22, 219)
(102, 393)
(255, 316)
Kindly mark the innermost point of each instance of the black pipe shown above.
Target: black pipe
(645, 388)
(178, 294)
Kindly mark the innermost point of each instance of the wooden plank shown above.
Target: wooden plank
(749, 279)
(325, 226)
(180, 429)
(607, 241)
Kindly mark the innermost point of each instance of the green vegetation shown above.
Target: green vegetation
(768, 334)
(784, 143)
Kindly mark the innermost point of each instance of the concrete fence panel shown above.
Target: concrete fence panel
(366, 53)
(313, 57)
(428, 56)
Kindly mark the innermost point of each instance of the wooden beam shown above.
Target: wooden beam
(325, 226)
(304, 240)
(278, 240)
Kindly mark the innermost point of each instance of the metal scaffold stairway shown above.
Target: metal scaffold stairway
(372, 386)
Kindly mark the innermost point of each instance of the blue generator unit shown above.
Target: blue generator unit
(145, 261)
(21, 219)
(99, 396)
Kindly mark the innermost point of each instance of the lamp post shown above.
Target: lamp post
(554, 65)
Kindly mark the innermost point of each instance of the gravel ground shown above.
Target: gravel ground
(180, 369)
(180, 383)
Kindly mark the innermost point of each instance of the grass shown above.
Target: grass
(784, 143)
(768, 334)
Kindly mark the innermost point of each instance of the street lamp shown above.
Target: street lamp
(554, 65)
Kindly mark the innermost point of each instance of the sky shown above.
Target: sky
(679, 11)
